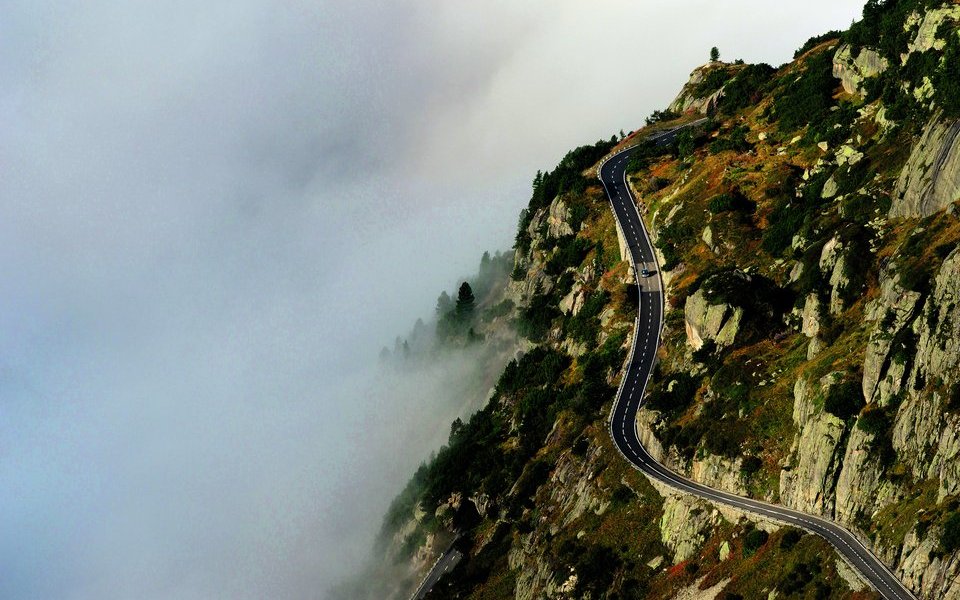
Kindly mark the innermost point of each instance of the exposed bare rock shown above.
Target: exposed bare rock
(704, 321)
(853, 71)
(693, 591)
(645, 420)
(930, 181)
(938, 349)
(927, 438)
(830, 188)
(921, 569)
(558, 219)
(811, 324)
(718, 472)
(850, 577)
(818, 452)
(707, 238)
(481, 502)
(892, 311)
(926, 37)
(838, 282)
(573, 491)
(860, 487)
(573, 302)
(552, 221)
(830, 254)
(685, 525)
(811, 316)
(689, 101)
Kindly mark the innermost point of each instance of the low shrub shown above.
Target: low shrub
(746, 89)
(950, 538)
(790, 539)
(844, 400)
(731, 202)
(753, 541)
(808, 98)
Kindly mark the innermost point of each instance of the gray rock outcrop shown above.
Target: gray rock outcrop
(705, 321)
(891, 311)
(853, 71)
(558, 219)
(685, 525)
(930, 181)
(929, 25)
(688, 101)
(818, 451)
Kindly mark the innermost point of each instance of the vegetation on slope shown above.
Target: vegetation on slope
(776, 209)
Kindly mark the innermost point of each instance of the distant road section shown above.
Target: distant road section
(646, 340)
(447, 561)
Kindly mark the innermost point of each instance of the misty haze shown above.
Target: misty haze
(257, 259)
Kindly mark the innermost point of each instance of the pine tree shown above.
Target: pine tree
(714, 54)
(465, 302)
(444, 304)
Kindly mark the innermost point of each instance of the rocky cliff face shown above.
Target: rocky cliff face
(818, 450)
(703, 90)
(930, 181)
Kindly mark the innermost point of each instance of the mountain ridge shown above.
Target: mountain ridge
(808, 239)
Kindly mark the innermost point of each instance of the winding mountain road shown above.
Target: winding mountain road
(623, 419)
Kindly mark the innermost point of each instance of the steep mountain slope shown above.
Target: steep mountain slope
(808, 236)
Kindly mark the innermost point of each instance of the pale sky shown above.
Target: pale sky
(213, 216)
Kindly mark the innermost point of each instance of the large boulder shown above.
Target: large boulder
(731, 307)
(558, 219)
(705, 321)
(853, 71)
(930, 181)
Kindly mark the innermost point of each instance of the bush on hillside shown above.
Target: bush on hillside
(662, 115)
(844, 400)
(675, 395)
(745, 89)
(731, 202)
(754, 541)
(736, 140)
(946, 81)
(585, 325)
(570, 252)
(816, 41)
(808, 98)
(950, 538)
(537, 317)
(714, 80)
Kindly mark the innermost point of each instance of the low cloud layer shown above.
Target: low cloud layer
(214, 215)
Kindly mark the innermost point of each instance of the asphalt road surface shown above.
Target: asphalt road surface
(623, 421)
(448, 560)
